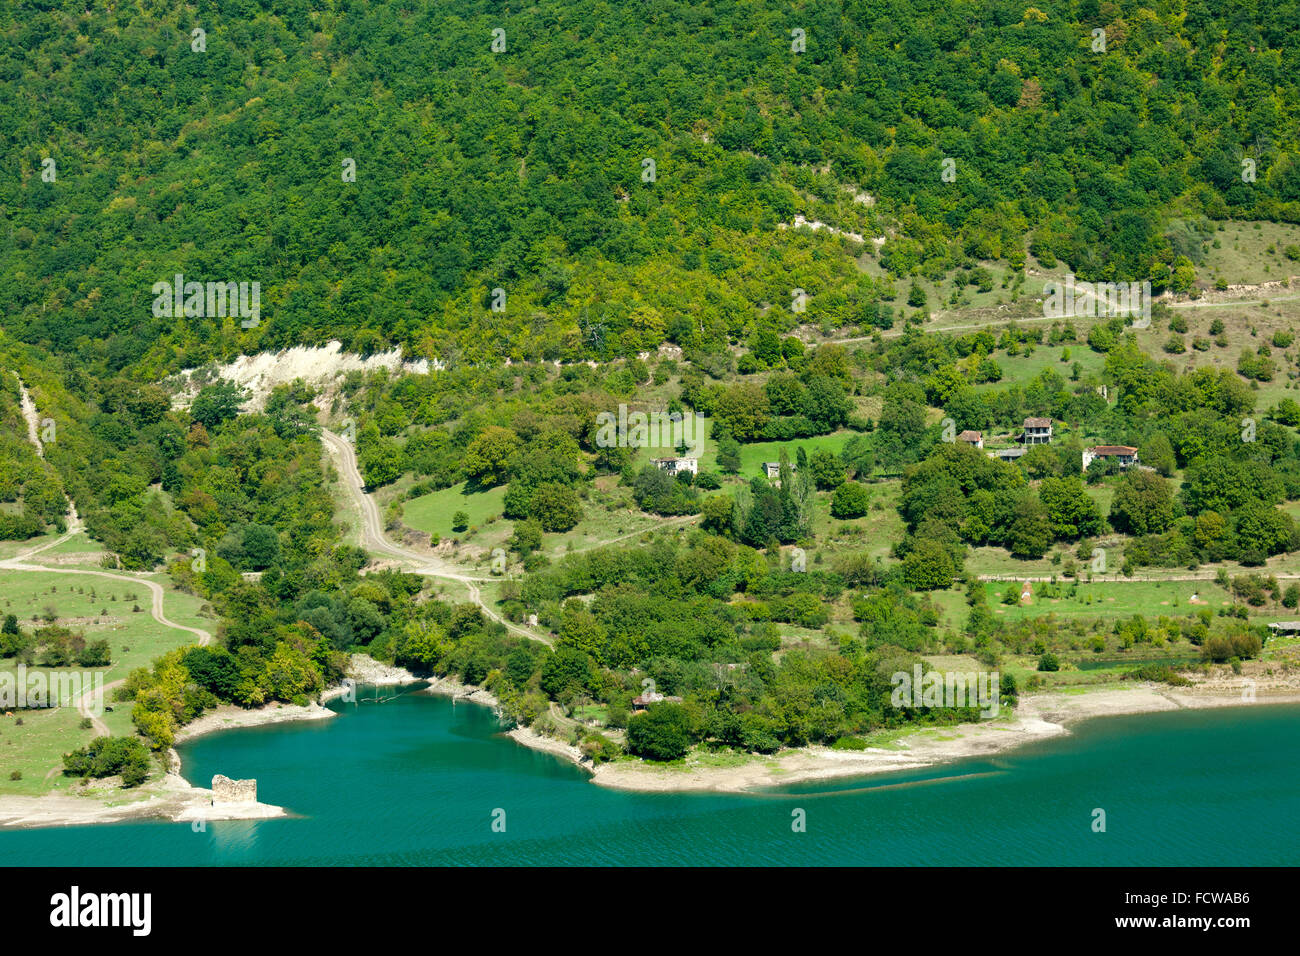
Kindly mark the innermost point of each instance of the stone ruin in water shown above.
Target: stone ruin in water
(225, 790)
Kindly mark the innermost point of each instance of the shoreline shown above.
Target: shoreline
(1037, 717)
(457, 689)
(524, 736)
(231, 717)
(362, 670)
(172, 797)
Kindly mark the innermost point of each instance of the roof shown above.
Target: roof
(1038, 423)
(1106, 450)
(970, 436)
(682, 458)
(1008, 452)
(1286, 625)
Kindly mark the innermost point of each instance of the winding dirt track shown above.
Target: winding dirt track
(19, 563)
(373, 539)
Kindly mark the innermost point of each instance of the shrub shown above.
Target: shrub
(663, 732)
(851, 500)
(1161, 673)
(1223, 647)
(598, 748)
(708, 481)
(110, 756)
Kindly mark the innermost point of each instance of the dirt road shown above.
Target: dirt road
(20, 563)
(373, 539)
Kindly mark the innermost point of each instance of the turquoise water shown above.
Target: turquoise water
(415, 781)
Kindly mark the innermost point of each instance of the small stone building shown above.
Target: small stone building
(225, 790)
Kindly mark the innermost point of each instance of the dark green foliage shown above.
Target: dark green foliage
(851, 500)
(568, 670)
(662, 732)
(1161, 673)
(1239, 644)
(109, 757)
(217, 404)
(929, 566)
(661, 493)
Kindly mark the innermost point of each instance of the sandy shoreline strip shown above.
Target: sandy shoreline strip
(455, 688)
(170, 798)
(1038, 717)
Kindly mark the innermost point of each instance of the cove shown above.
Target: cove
(419, 780)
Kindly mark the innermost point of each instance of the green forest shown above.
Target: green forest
(525, 170)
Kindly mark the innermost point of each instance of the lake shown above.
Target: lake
(419, 780)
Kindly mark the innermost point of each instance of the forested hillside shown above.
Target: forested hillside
(526, 169)
(764, 219)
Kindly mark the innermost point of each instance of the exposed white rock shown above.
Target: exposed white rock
(815, 225)
(320, 366)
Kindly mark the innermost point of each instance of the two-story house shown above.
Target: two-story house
(1038, 431)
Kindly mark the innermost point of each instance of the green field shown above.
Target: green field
(79, 543)
(9, 549)
(433, 512)
(753, 455)
(1021, 369)
(135, 640)
(609, 514)
(36, 747)
(1243, 256)
(1116, 600)
(875, 532)
(1112, 599)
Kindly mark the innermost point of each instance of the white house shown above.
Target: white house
(675, 466)
(1126, 455)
